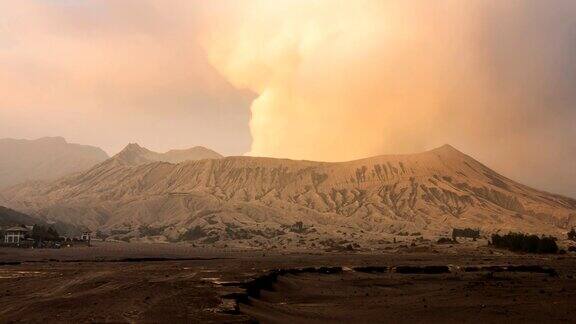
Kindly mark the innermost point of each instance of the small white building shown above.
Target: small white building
(15, 235)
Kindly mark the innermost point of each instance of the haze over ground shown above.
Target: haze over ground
(322, 80)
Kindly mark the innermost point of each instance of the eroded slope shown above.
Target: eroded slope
(264, 201)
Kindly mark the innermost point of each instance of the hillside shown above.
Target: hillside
(46, 158)
(9, 217)
(276, 202)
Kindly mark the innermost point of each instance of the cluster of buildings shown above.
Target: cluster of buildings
(21, 236)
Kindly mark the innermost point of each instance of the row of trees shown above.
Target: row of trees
(465, 233)
(520, 242)
(42, 233)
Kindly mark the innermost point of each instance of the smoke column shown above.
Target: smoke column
(341, 80)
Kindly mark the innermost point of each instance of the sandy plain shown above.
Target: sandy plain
(153, 283)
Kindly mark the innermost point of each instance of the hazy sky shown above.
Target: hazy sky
(324, 80)
(111, 72)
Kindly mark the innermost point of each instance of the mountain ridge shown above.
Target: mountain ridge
(253, 200)
(46, 158)
(134, 154)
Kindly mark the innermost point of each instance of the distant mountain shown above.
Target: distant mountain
(46, 158)
(134, 154)
(10, 217)
(266, 202)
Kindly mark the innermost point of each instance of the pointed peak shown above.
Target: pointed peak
(134, 154)
(447, 149)
(449, 152)
(132, 147)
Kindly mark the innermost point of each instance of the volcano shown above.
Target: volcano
(255, 201)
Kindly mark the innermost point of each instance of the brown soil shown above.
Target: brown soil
(172, 283)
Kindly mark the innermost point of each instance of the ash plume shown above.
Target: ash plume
(341, 80)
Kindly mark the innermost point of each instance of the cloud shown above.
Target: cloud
(134, 68)
(341, 80)
(323, 79)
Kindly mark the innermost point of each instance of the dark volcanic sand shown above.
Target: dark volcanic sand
(91, 285)
(391, 298)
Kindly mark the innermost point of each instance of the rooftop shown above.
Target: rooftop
(17, 228)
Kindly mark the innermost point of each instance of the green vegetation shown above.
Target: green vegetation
(446, 240)
(298, 227)
(44, 233)
(519, 242)
(466, 233)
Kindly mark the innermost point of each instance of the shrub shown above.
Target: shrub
(445, 240)
(572, 235)
(298, 227)
(519, 242)
(466, 233)
(547, 245)
(44, 233)
(193, 234)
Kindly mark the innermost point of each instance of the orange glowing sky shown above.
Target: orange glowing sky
(305, 79)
